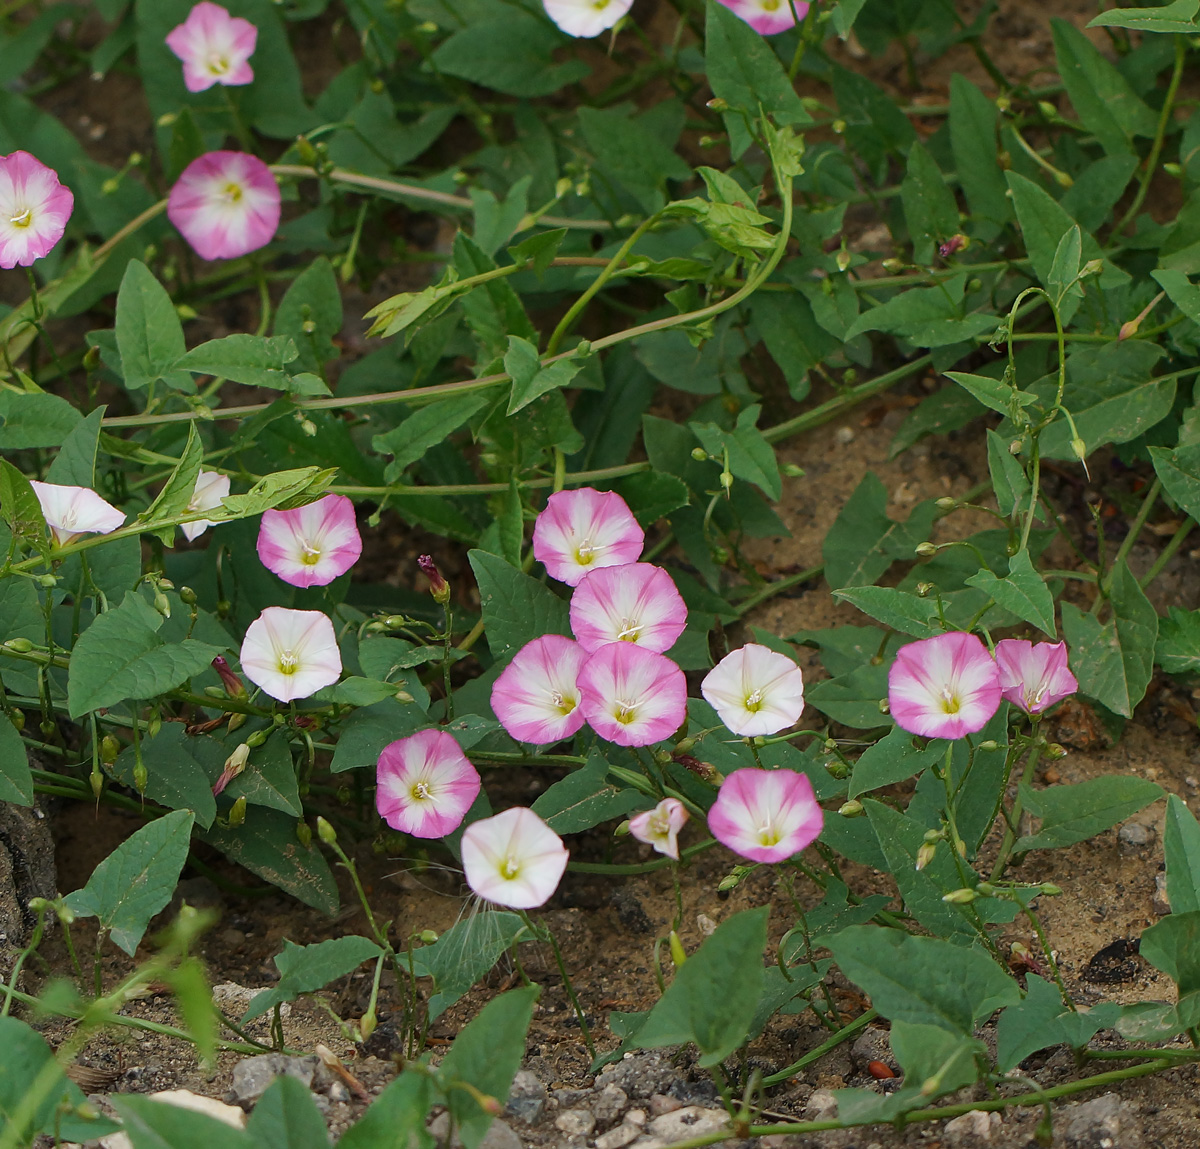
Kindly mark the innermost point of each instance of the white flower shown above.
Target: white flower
(211, 488)
(755, 691)
(660, 827)
(73, 511)
(291, 653)
(513, 859)
(586, 17)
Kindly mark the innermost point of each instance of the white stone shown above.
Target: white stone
(575, 1122)
(619, 1137)
(234, 999)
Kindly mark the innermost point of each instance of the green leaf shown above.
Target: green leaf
(366, 732)
(510, 54)
(712, 1000)
(1173, 946)
(1178, 16)
(486, 1054)
(1114, 660)
(1064, 271)
(256, 360)
(585, 798)
(894, 758)
(935, 1060)
(149, 334)
(652, 495)
(34, 419)
(285, 1117)
(792, 337)
(993, 393)
(1009, 481)
(423, 429)
(539, 249)
(153, 1124)
(1022, 591)
(303, 969)
(927, 316)
(1179, 470)
(286, 489)
(21, 510)
(529, 378)
(516, 608)
(1177, 650)
(136, 880)
(751, 457)
(269, 778)
(1075, 813)
(16, 781)
(897, 609)
(894, 968)
(853, 698)
(1181, 850)
(497, 220)
(949, 409)
(1041, 1020)
(929, 207)
(396, 1118)
(312, 299)
(174, 776)
(75, 463)
(177, 492)
(863, 542)
(122, 656)
(973, 120)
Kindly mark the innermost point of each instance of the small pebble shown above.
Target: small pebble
(575, 1123)
(844, 435)
(1161, 903)
(662, 1103)
(706, 925)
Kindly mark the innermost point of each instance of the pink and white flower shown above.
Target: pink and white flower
(225, 204)
(1034, 676)
(536, 697)
(73, 511)
(311, 545)
(755, 690)
(214, 46)
(580, 531)
(425, 784)
(34, 209)
(635, 603)
(660, 827)
(943, 687)
(767, 17)
(211, 487)
(632, 696)
(766, 815)
(291, 654)
(513, 859)
(586, 17)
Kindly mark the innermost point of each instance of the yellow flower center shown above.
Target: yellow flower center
(510, 868)
(754, 700)
(218, 65)
(951, 703)
(771, 5)
(600, 5)
(289, 662)
(233, 192)
(585, 552)
(625, 712)
(563, 704)
(768, 835)
(22, 219)
(310, 555)
(630, 630)
(420, 792)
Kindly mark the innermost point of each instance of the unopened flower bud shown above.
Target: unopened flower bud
(367, 1024)
(427, 937)
(678, 953)
(705, 771)
(140, 777)
(1016, 446)
(237, 812)
(1092, 267)
(1051, 890)
(1079, 448)
(326, 832)
(926, 550)
(255, 739)
(306, 152)
(963, 897)
(404, 697)
(96, 780)
(17, 717)
(718, 104)
(19, 645)
(839, 126)
(234, 765)
(48, 581)
(726, 479)
(953, 246)
(792, 471)
(622, 830)
(154, 725)
(162, 604)
(304, 834)
(884, 706)
(187, 596)
(925, 854)
(685, 745)
(989, 745)
(233, 684)
(236, 721)
(1175, 170)
(699, 454)
(91, 359)
(946, 503)
(438, 586)
(851, 809)
(842, 259)
(1054, 751)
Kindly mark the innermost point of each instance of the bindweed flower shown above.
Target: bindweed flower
(586, 17)
(311, 545)
(439, 588)
(34, 209)
(513, 859)
(943, 687)
(214, 46)
(234, 765)
(632, 696)
(635, 603)
(660, 827)
(291, 654)
(1034, 676)
(73, 511)
(536, 698)
(425, 784)
(766, 815)
(231, 682)
(581, 531)
(225, 204)
(767, 17)
(755, 690)
(211, 487)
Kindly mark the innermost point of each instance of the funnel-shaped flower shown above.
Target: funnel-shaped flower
(755, 690)
(766, 815)
(291, 654)
(943, 687)
(1034, 676)
(425, 784)
(537, 696)
(211, 487)
(311, 545)
(225, 204)
(767, 17)
(635, 603)
(34, 209)
(73, 511)
(513, 859)
(632, 696)
(660, 827)
(581, 531)
(586, 17)
(214, 46)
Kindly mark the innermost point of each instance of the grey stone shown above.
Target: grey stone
(1133, 836)
(338, 1092)
(641, 1074)
(822, 1106)
(526, 1098)
(618, 1137)
(608, 1104)
(500, 1134)
(1104, 1123)
(872, 1044)
(1161, 903)
(971, 1129)
(575, 1122)
(661, 1103)
(252, 1076)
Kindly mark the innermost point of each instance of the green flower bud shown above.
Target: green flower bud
(1051, 890)
(1054, 751)
(926, 854)
(963, 897)
(237, 812)
(326, 832)
(851, 809)
(140, 777)
(427, 936)
(304, 834)
(989, 745)
(20, 645)
(926, 550)
(678, 953)
(257, 738)
(187, 596)
(699, 454)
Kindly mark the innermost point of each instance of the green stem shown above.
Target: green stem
(1168, 552)
(638, 867)
(842, 1035)
(1131, 537)
(1013, 820)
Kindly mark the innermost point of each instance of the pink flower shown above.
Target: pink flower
(291, 654)
(632, 696)
(311, 545)
(766, 815)
(225, 204)
(767, 17)
(34, 209)
(635, 603)
(73, 511)
(1033, 676)
(211, 487)
(943, 687)
(536, 698)
(580, 531)
(425, 784)
(660, 827)
(513, 859)
(215, 47)
(586, 17)
(755, 690)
